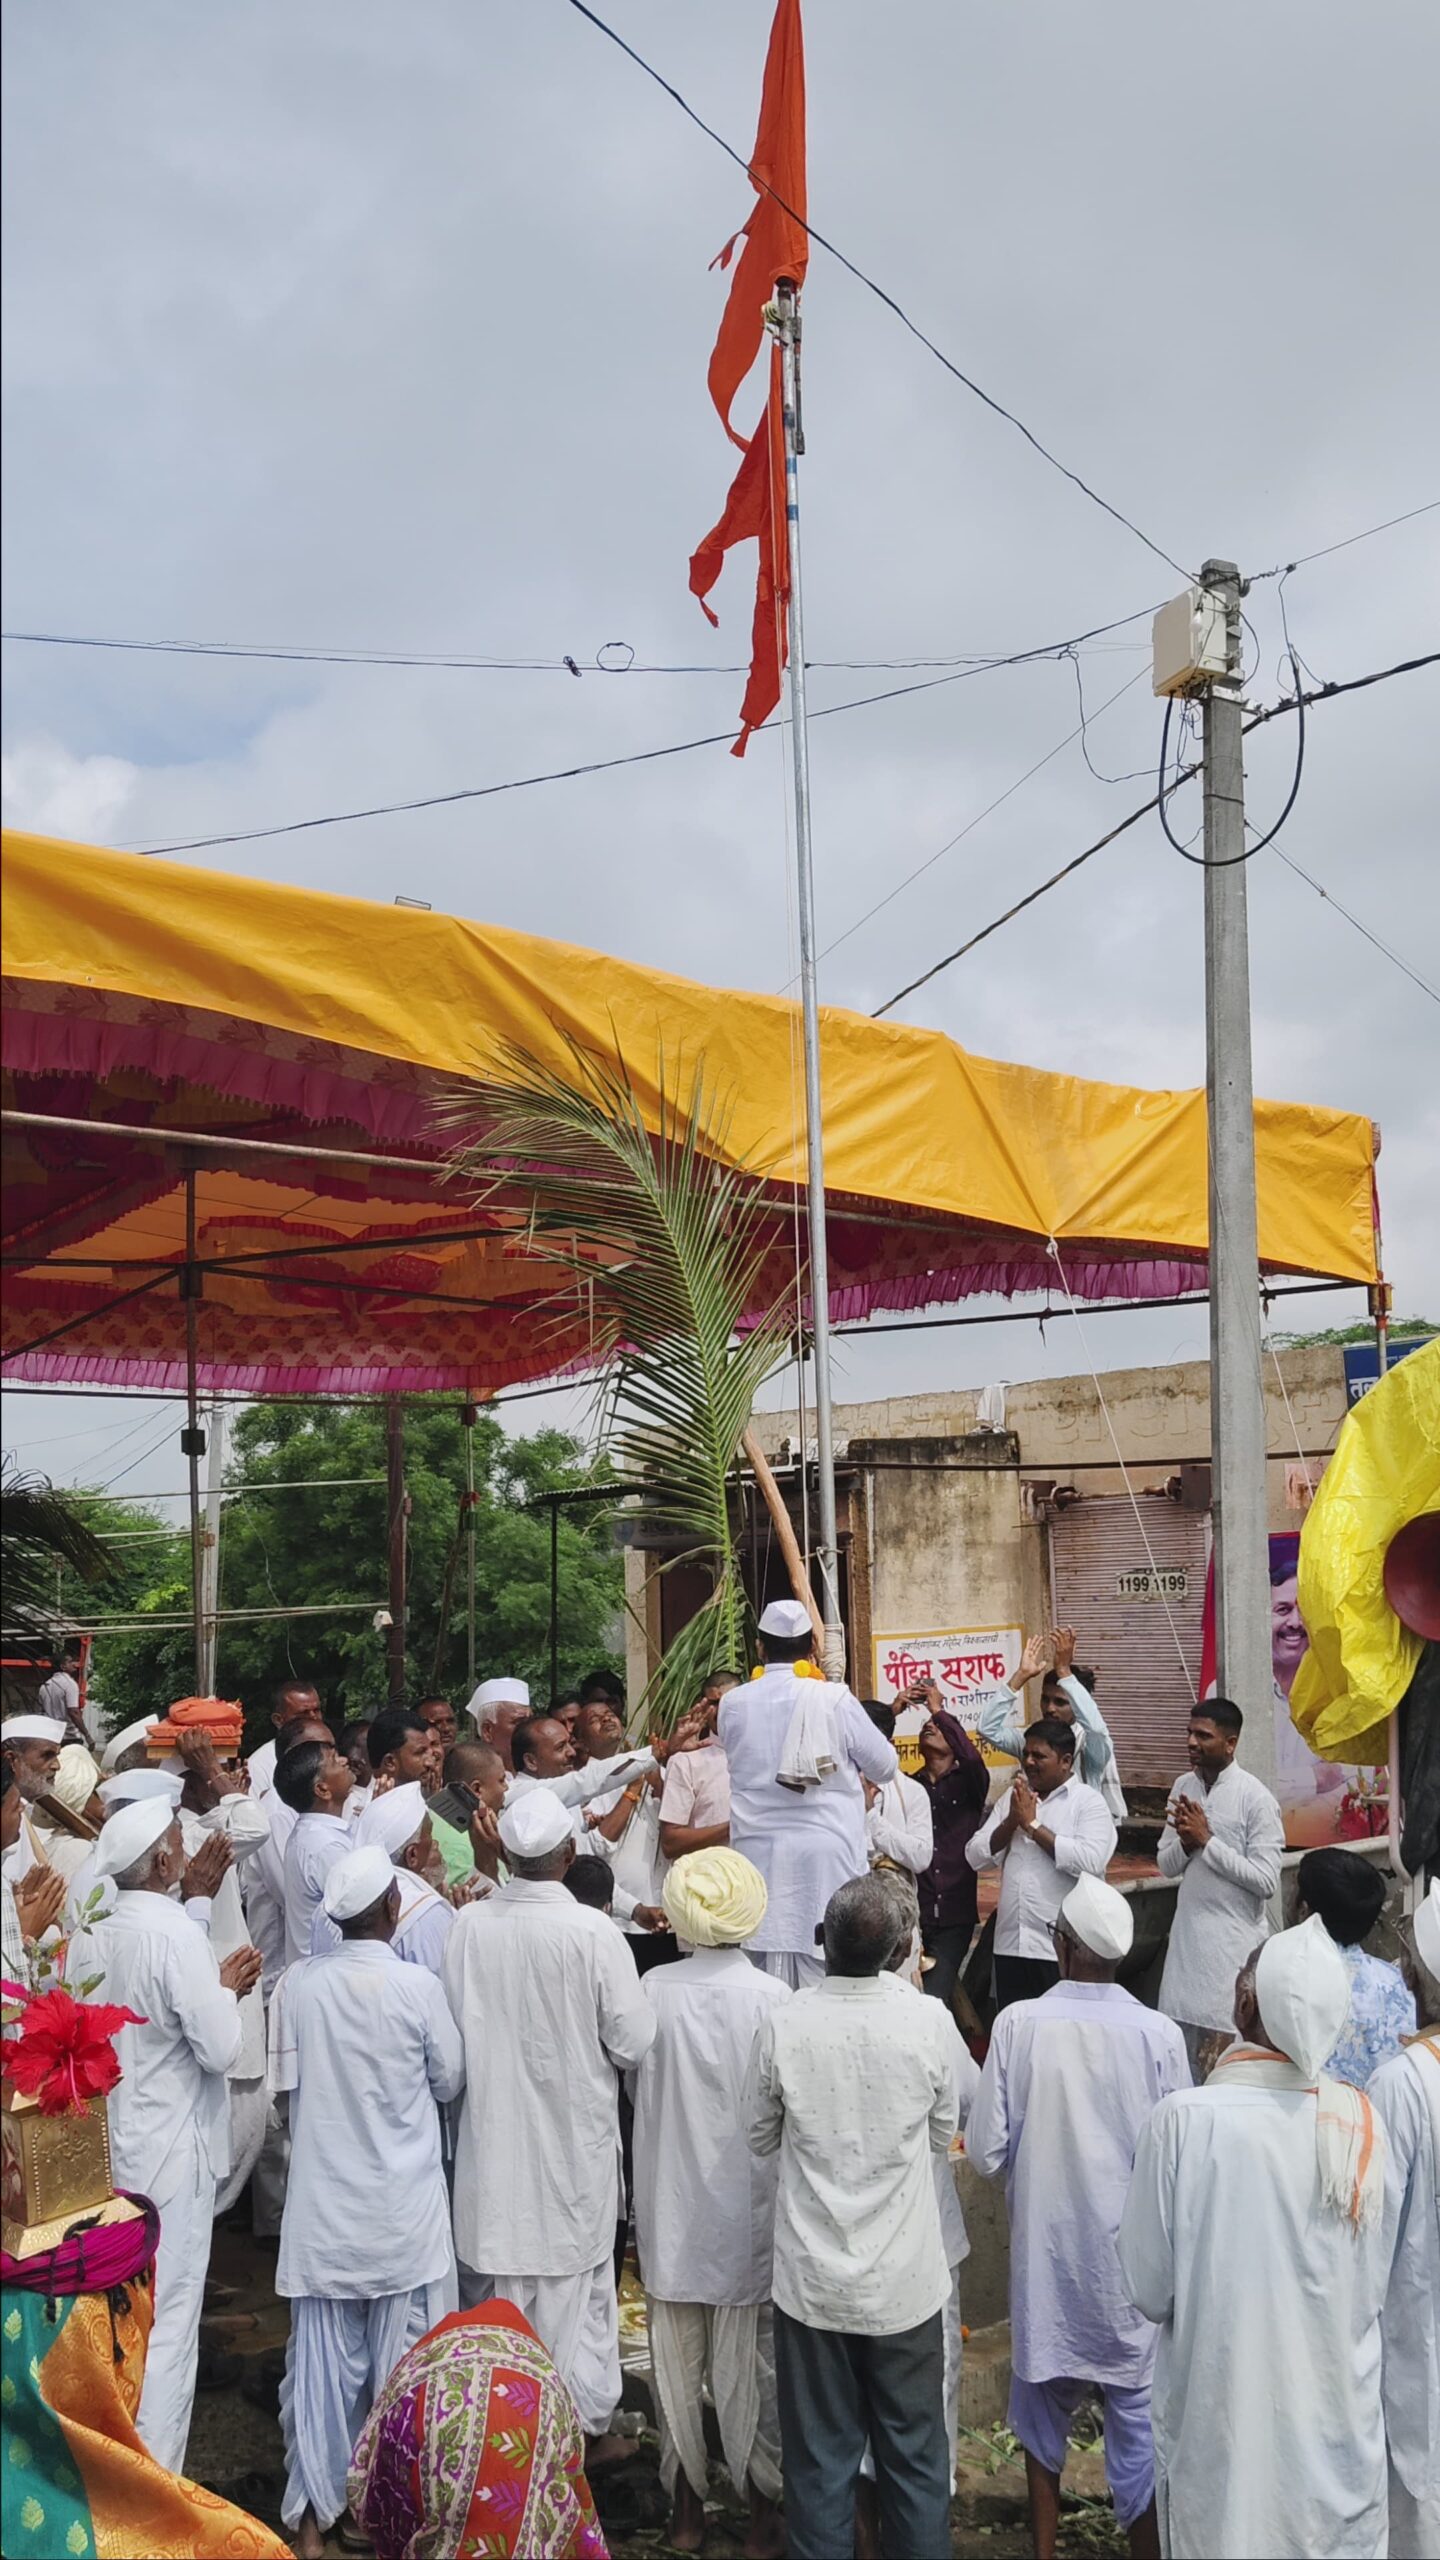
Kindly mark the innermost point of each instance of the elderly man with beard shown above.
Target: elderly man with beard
(32, 1746)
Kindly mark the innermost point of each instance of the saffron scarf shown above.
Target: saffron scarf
(1349, 2152)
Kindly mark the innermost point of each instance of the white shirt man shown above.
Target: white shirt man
(1256, 2234)
(364, 2051)
(704, 2202)
(398, 1823)
(246, 1827)
(169, 2113)
(1070, 2081)
(900, 1826)
(550, 2007)
(806, 1839)
(1050, 1829)
(315, 1781)
(1405, 2093)
(856, 2085)
(1223, 1839)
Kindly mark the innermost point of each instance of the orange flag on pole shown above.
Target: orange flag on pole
(775, 244)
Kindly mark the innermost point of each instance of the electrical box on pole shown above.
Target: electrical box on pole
(1190, 642)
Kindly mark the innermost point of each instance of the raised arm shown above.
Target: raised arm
(999, 1723)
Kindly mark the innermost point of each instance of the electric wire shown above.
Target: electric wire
(608, 764)
(1227, 862)
(1283, 568)
(1320, 693)
(878, 290)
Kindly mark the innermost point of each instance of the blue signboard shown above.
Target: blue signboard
(1362, 1362)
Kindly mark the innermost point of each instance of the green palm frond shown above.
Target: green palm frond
(659, 1240)
(41, 1528)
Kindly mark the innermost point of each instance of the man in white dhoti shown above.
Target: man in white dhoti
(1224, 1838)
(550, 2007)
(1070, 2082)
(363, 2053)
(705, 2204)
(1405, 2094)
(399, 1823)
(314, 1781)
(1256, 2233)
(798, 1748)
(169, 2114)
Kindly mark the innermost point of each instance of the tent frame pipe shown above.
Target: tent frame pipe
(192, 1438)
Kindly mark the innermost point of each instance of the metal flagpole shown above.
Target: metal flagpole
(787, 305)
(210, 1560)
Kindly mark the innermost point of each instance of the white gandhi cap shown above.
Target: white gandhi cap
(1100, 1918)
(533, 1824)
(130, 1832)
(133, 1786)
(789, 1618)
(356, 1882)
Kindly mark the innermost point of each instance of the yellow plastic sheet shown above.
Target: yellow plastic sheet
(1385, 1472)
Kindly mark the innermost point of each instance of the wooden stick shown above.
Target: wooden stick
(786, 1539)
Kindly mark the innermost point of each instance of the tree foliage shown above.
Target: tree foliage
(311, 1549)
(1402, 1328)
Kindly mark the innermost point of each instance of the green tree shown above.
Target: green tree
(326, 1543)
(1402, 1329)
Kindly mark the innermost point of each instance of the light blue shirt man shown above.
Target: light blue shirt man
(1003, 1718)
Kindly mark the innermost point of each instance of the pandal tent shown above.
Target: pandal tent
(219, 1117)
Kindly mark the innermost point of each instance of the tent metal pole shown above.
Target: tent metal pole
(192, 1438)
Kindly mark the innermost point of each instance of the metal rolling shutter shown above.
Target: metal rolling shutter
(1140, 1687)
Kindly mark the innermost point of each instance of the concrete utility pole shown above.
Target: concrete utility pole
(210, 1556)
(1237, 1400)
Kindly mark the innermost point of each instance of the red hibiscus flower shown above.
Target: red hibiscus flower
(63, 2052)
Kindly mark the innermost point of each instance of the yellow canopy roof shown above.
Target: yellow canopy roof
(153, 992)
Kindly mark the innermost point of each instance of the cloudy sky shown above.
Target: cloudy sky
(382, 328)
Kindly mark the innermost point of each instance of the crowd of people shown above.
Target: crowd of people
(468, 2003)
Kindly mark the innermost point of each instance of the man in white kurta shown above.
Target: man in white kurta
(807, 1838)
(364, 2052)
(1069, 2084)
(548, 2002)
(1256, 2233)
(1050, 1829)
(1223, 1838)
(399, 1823)
(314, 1780)
(704, 2202)
(1405, 2093)
(899, 1825)
(170, 2113)
(213, 1805)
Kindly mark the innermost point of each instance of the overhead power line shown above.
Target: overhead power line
(967, 381)
(643, 755)
(1292, 702)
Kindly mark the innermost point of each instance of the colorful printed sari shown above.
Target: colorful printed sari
(79, 2484)
(473, 2450)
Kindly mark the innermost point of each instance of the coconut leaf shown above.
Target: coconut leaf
(660, 1240)
(41, 1528)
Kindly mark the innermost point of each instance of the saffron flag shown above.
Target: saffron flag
(775, 244)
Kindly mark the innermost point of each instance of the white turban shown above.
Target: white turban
(1100, 1918)
(125, 1741)
(714, 1898)
(1304, 1993)
(533, 1823)
(76, 1778)
(132, 1786)
(130, 1832)
(356, 1882)
(788, 1618)
(30, 1729)
(390, 1822)
(1427, 1931)
(497, 1693)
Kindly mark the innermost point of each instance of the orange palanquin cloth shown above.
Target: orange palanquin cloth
(221, 1720)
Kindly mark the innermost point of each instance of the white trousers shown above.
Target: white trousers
(576, 2320)
(1414, 2523)
(799, 1972)
(730, 2346)
(953, 2342)
(185, 2199)
(341, 2354)
(249, 2108)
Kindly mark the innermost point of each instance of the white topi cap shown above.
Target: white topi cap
(356, 1882)
(31, 1729)
(129, 1833)
(134, 1786)
(498, 1693)
(390, 1822)
(1100, 1918)
(534, 1823)
(1304, 1993)
(789, 1618)
(125, 1740)
(1426, 1925)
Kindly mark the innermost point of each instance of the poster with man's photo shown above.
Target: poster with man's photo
(1321, 1800)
